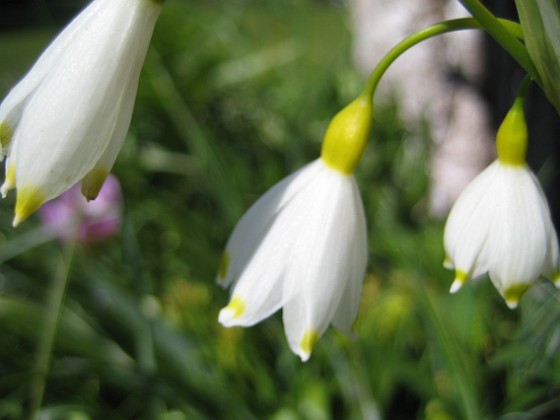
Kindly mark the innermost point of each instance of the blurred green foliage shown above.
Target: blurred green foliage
(234, 96)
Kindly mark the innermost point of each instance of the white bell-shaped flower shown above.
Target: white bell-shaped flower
(501, 223)
(303, 245)
(67, 118)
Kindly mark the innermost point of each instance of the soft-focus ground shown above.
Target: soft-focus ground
(234, 96)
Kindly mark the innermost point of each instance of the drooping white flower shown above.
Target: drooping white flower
(302, 246)
(501, 223)
(67, 118)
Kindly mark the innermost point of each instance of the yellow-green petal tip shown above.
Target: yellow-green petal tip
(513, 294)
(237, 306)
(10, 181)
(460, 279)
(308, 341)
(6, 133)
(91, 184)
(28, 200)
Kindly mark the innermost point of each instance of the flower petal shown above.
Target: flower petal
(468, 225)
(319, 262)
(520, 239)
(258, 264)
(349, 305)
(551, 270)
(71, 117)
(94, 179)
(502, 224)
(256, 222)
(12, 106)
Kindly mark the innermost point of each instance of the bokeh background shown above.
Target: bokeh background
(235, 95)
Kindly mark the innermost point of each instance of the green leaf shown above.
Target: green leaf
(540, 20)
(74, 333)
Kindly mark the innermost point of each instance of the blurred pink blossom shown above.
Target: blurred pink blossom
(71, 217)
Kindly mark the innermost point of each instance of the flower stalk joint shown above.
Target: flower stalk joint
(347, 135)
(511, 140)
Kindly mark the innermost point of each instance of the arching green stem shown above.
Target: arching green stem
(513, 28)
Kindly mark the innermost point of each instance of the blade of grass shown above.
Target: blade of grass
(52, 315)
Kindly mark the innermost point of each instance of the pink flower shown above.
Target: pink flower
(72, 217)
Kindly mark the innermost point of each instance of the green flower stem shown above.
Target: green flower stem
(46, 343)
(525, 84)
(502, 35)
(441, 28)
(522, 93)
